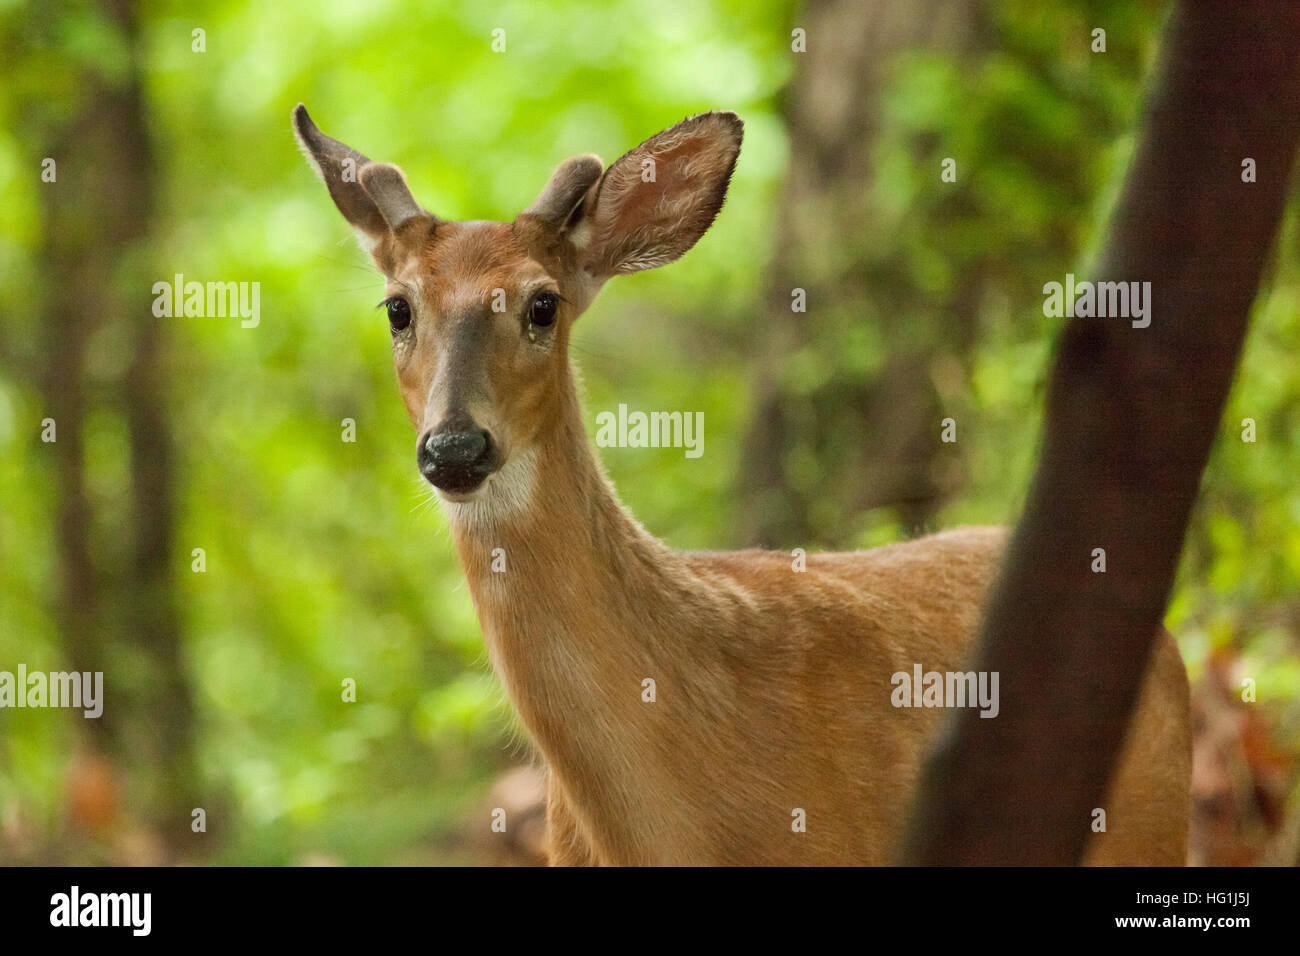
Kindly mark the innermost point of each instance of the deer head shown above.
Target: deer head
(481, 312)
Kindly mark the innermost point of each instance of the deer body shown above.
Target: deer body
(772, 686)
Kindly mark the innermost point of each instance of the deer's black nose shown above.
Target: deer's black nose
(456, 456)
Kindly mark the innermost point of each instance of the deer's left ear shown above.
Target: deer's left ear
(654, 203)
(373, 197)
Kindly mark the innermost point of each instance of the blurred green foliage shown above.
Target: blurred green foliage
(326, 560)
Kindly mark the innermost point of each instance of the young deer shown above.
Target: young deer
(773, 687)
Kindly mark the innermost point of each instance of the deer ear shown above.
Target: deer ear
(654, 203)
(570, 183)
(373, 197)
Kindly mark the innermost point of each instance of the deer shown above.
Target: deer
(772, 734)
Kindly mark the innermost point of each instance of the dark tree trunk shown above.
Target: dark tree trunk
(1131, 416)
(117, 600)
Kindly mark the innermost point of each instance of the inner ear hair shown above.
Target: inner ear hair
(631, 221)
(566, 189)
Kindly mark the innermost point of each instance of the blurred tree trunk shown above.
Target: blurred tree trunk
(1131, 416)
(118, 599)
(875, 440)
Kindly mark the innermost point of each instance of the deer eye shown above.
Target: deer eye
(399, 313)
(541, 311)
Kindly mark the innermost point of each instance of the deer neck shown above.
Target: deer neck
(561, 577)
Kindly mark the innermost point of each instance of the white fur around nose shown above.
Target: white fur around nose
(506, 494)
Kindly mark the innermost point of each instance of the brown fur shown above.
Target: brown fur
(773, 686)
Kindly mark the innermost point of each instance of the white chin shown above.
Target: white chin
(462, 497)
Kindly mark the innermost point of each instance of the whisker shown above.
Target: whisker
(599, 356)
(426, 498)
(368, 267)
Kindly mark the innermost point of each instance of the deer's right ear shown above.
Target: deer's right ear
(373, 197)
(656, 201)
